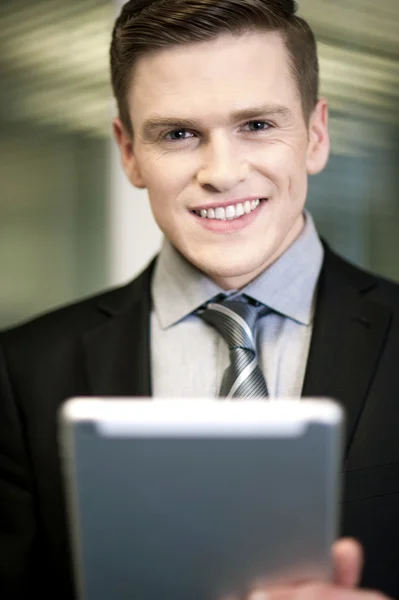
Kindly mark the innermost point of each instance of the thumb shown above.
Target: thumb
(347, 556)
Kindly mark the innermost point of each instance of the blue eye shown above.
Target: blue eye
(258, 125)
(178, 135)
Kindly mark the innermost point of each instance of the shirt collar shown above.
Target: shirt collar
(178, 288)
(288, 286)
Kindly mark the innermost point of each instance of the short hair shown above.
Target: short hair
(147, 26)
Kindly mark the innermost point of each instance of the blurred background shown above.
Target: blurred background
(69, 222)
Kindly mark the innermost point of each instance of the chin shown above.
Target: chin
(233, 269)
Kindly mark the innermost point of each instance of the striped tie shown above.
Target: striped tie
(236, 321)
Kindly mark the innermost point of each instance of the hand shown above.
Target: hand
(348, 563)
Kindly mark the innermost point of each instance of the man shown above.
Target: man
(219, 118)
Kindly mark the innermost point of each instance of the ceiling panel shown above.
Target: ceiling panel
(54, 65)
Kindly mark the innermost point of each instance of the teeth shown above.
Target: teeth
(230, 212)
(239, 210)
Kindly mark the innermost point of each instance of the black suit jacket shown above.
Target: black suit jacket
(101, 347)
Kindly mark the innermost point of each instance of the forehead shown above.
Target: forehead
(226, 73)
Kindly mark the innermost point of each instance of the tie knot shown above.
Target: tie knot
(235, 320)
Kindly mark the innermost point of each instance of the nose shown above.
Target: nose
(222, 166)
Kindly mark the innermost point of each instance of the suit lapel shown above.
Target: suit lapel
(348, 338)
(117, 353)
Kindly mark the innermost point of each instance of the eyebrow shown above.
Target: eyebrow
(154, 123)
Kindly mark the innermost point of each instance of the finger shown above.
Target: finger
(259, 595)
(315, 592)
(295, 592)
(348, 562)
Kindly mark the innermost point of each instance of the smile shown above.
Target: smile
(231, 212)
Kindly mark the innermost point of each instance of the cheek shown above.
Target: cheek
(285, 165)
(165, 187)
(165, 178)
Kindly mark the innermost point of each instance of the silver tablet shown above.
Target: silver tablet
(199, 499)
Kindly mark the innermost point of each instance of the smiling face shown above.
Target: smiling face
(222, 146)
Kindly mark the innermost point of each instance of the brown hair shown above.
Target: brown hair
(146, 26)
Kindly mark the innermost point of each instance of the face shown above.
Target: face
(222, 146)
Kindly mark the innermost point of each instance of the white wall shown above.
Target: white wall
(133, 234)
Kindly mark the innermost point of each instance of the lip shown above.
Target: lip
(230, 226)
(226, 203)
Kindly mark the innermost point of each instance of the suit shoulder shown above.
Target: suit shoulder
(73, 319)
(62, 322)
(376, 286)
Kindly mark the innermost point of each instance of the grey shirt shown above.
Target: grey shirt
(189, 357)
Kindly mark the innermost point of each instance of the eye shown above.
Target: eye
(258, 125)
(178, 135)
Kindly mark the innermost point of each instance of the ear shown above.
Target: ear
(126, 148)
(319, 139)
